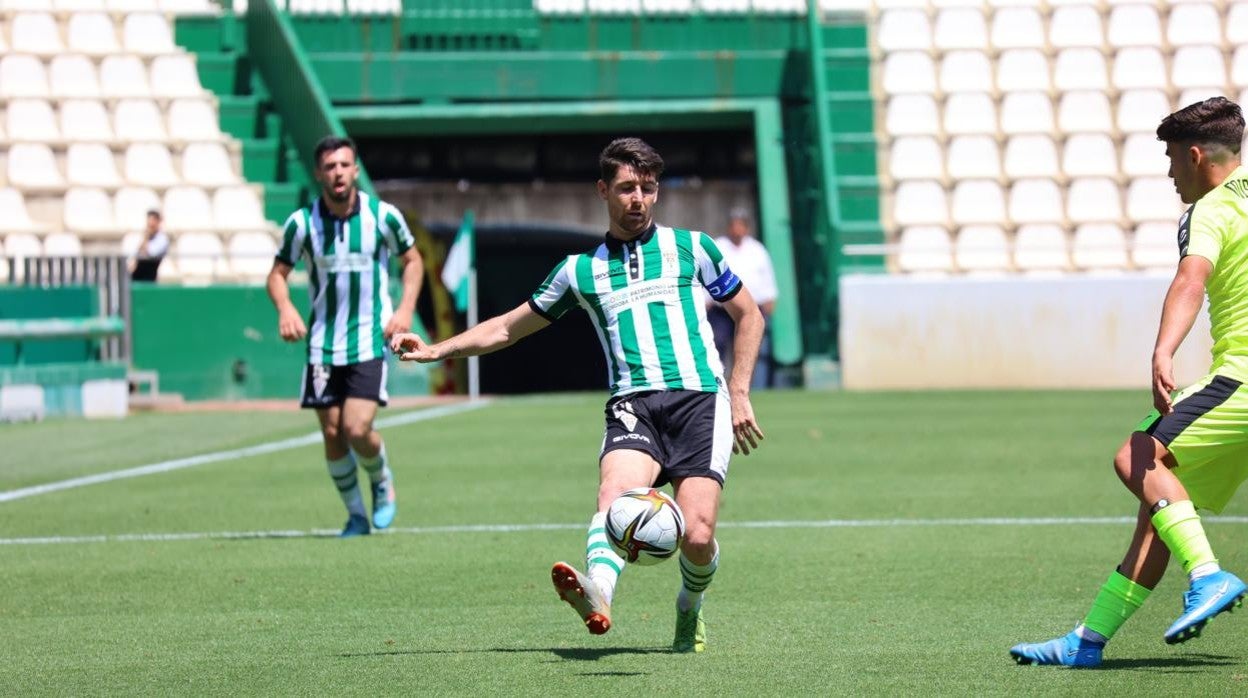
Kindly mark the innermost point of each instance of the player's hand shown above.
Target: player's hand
(290, 326)
(400, 323)
(1163, 384)
(745, 432)
(410, 347)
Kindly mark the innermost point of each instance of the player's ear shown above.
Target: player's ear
(602, 190)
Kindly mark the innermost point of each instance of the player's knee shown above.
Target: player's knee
(699, 537)
(358, 431)
(332, 433)
(1122, 462)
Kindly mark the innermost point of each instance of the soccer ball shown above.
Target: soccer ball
(645, 526)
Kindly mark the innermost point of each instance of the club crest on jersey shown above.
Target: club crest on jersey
(320, 379)
(625, 415)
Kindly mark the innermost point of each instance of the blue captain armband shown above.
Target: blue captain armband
(725, 287)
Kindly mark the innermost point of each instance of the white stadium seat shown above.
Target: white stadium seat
(924, 249)
(92, 33)
(968, 113)
(174, 75)
(1138, 68)
(912, 115)
(1035, 201)
(85, 120)
(21, 245)
(973, 157)
(1198, 66)
(1026, 112)
(1193, 24)
(1099, 246)
(89, 211)
(909, 72)
(965, 71)
(1017, 27)
(130, 243)
(78, 5)
(1153, 199)
(1140, 111)
(1040, 247)
(982, 248)
(1093, 200)
(977, 201)
(238, 208)
(1084, 112)
(904, 29)
(32, 166)
(1089, 155)
(1031, 156)
(1155, 245)
(123, 76)
(73, 76)
(1239, 64)
(1134, 25)
(1074, 26)
(147, 34)
(251, 254)
(187, 208)
(62, 245)
(139, 120)
(1023, 70)
(207, 164)
(150, 165)
(131, 206)
(31, 120)
(960, 28)
(1144, 156)
(16, 218)
(193, 120)
(1193, 95)
(920, 203)
(200, 256)
(22, 76)
(1237, 24)
(36, 33)
(1079, 69)
(91, 165)
(915, 157)
(131, 5)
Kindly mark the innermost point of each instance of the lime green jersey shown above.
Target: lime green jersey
(1216, 228)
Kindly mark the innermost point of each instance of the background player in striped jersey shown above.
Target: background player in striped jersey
(1190, 452)
(345, 238)
(670, 417)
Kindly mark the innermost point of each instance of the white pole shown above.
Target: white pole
(474, 362)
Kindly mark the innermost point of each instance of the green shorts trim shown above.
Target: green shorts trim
(1208, 435)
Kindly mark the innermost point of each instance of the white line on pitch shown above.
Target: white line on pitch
(192, 461)
(529, 528)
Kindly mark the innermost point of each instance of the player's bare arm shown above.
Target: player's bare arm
(748, 335)
(1178, 314)
(496, 333)
(413, 277)
(289, 323)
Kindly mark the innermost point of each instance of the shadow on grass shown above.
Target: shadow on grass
(577, 654)
(1189, 662)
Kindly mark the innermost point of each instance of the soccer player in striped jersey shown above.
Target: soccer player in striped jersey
(345, 238)
(670, 418)
(1189, 453)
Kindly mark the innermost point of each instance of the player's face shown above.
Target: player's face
(1183, 161)
(630, 201)
(338, 173)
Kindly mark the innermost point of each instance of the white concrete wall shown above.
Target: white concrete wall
(1081, 331)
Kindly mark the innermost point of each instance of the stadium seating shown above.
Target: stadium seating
(925, 249)
(982, 248)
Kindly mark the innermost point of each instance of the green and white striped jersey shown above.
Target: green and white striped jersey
(641, 298)
(347, 261)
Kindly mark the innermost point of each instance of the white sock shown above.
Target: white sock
(1090, 635)
(377, 467)
(343, 473)
(602, 564)
(1203, 571)
(694, 579)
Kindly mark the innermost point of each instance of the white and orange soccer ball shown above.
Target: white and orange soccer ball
(645, 526)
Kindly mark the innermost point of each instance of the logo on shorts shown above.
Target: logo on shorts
(625, 415)
(320, 379)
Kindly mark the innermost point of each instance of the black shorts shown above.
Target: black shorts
(689, 432)
(327, 386)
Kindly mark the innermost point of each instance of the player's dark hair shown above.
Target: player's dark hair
(630, 152)
(1216, 120)
(329, 144)
(154, 213)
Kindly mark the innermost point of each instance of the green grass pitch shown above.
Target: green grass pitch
(879, 609)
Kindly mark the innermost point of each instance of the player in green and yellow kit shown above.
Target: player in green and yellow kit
(1193, 450)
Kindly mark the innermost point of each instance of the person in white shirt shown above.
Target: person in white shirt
(747, 257)
(152, 250)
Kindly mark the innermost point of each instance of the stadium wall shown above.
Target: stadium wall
(1010, 332)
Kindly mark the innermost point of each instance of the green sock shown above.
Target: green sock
(1179, 527)
(1118, 598)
